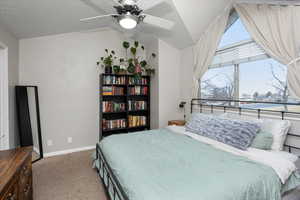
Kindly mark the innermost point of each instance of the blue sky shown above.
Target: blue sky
(254, 76)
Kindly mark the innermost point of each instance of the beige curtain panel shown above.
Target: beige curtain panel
(274, 28)
(206, 47)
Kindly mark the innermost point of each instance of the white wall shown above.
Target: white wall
(152, 47)
(186, 76)
(169, 83)
(12, 44)
(64, 68)
(197, 15)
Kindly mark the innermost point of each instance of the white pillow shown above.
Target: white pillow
(289, 156)
(278, 128)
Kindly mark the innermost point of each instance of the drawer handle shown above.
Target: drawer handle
(25, 168)
(27, 188)
(11, 196)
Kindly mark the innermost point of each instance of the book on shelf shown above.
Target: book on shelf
(124, 103)
(111, 106)
(112, 90)
(113, 124)
(136, 121)
(137, 105)
(116, 80)
(138, 90)
(137, 81)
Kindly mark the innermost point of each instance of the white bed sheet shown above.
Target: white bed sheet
(282, 163)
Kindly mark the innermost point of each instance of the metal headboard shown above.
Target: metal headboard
(225, 105)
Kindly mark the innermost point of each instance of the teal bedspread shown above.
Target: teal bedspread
(161, 165)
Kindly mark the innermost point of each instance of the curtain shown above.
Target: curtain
(206, 47)
(274, 28)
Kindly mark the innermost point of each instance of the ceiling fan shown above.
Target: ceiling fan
(130, 13)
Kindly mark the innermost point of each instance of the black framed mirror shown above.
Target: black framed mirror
(29, 124)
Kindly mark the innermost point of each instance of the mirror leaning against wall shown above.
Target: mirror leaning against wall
(28, 113)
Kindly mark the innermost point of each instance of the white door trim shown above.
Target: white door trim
(4, 98)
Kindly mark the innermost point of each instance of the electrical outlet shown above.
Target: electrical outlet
(70, 139)
(49, 142)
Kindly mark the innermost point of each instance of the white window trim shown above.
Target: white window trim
(237, 53)
(4, 99)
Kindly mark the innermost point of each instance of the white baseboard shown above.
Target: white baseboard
(57, 153)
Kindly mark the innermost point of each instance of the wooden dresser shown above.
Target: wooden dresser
(16, 174)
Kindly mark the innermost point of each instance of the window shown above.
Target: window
(234, 34)
(217, 83)
(269, 83)
(241, 69)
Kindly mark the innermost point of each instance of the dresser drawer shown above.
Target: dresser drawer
(26, 191)
(16, 174)
(25, 181)
(25, 172)
(26, 169)
(12, 192)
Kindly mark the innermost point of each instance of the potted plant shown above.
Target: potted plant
(123, 66)
(137, 65)
(149, 70)
(116, 69)
(108, 61)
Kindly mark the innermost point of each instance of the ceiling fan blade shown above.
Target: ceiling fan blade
(148, 4)
(117, 2)
(102, 7)
(159, 22)
(96, 17)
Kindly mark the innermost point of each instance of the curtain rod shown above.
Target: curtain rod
(271, 2)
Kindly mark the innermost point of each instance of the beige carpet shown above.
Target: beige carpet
(67, 177)
(70, 177)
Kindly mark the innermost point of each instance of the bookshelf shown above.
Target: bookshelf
(124, 104)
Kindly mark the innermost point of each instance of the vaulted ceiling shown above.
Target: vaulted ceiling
(33, 18)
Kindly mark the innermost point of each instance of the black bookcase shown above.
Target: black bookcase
(117, 91)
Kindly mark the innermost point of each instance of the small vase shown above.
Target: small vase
(108, 70)
(138, 68)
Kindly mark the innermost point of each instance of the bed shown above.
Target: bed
(172, 163)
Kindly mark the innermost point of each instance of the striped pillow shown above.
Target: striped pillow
(236, 133)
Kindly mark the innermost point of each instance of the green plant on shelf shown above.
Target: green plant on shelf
(108, 60)
(135, 61)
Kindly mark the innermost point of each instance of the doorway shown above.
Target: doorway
(4, 112)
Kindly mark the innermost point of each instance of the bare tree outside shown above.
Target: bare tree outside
(280, 85)
(269, 94)
(222, 86)
(255, 95)
(212, 91)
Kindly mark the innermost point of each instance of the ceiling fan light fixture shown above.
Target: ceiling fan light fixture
(128, 21)
(128, 2)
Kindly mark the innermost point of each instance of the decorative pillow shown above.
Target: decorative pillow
(263, 140)
(237, 133)
(278, 128)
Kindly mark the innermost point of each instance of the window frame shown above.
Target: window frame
(234, 55)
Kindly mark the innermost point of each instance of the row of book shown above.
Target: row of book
(111, 90)
(138, 90)
(135, 121)
(137, 105)
(110, 106)
(137, 81)
(113, 124)
(117, 80)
